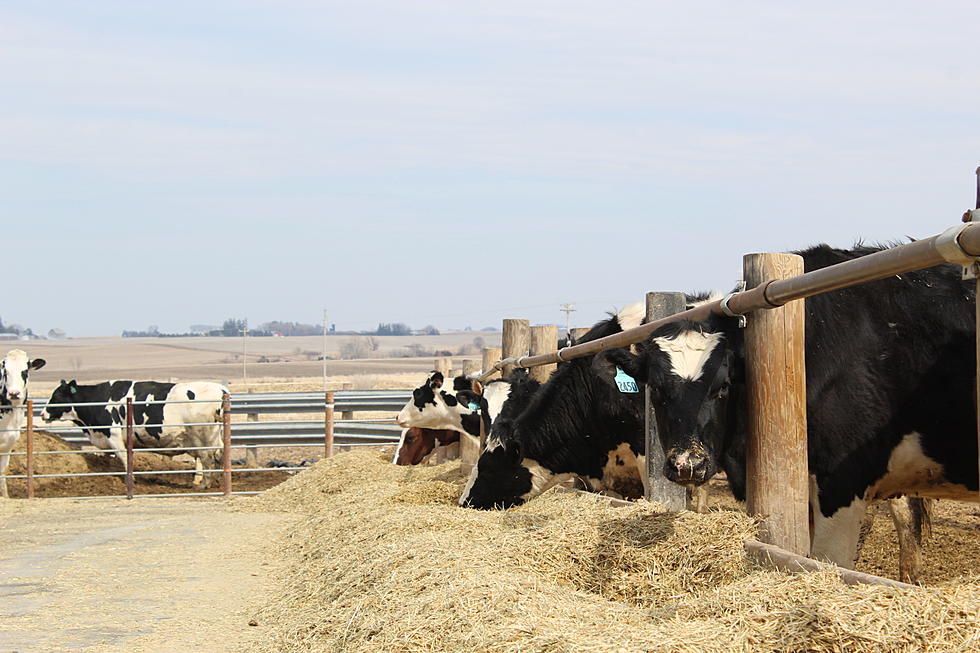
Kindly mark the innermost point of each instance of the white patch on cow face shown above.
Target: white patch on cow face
(496, 394)
(542, 478)
(434, 416)
(912, 472)
(689, 351)
(401, 443)
(835, 538)
(632, 316)
(470, 482)
(14, 367)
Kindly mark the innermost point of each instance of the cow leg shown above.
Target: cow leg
(835, 538)
(4, 461)
(697, 498)
(198, 476)
(117, 442)
(913, 524)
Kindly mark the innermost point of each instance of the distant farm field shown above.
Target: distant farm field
(220, 359)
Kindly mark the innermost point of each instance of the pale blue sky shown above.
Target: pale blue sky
(453, 163)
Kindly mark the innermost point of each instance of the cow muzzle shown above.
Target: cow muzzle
(686, 467)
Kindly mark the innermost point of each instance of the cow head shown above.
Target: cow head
(415, 444)
(14, 370)
(435, 406)
(501, 478)
(690, 368)
(63, 397)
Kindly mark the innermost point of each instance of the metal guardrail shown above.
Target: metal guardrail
(296, 432)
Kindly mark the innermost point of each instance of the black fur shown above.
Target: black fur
(883, 359)
(568, 426)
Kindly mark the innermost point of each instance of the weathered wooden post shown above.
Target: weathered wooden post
(30, 449)
(514, 342)
(470, 366)
(226, 444)
(578, 333)
(490, 356)
(543, 340)
(130, 462)
(442, 365)
(347, 414)
(776, 469)
(658, 487)
(328, 424)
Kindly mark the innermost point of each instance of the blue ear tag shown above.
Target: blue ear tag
(474, 406)
(625, 382)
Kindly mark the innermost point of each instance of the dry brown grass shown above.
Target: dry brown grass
(384, 561)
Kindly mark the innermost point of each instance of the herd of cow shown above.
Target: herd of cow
(890, 378)
(890, 383)
(184, 415)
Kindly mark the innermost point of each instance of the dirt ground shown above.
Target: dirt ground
(135, 576)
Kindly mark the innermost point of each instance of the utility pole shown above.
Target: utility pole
(244, 332)
(568, 308)
(324, 357)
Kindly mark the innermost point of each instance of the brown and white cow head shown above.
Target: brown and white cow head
(415, 444)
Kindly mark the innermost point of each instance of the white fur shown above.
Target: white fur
(912, 472)
(689, 351)
(541, 478)
(631, 316)
(496, 394)
(835, 538)
(13, 420)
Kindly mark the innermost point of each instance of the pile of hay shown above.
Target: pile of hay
(384, 561)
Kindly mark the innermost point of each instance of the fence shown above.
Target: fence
(251, 435)
(777, 493)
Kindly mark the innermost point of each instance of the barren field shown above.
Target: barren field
(220, 359)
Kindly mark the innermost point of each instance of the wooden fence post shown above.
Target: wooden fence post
(658, 487)
(442, 365)
(30, 449)
(328, 424)
(226, 444)
(543, 340)
(776, 469)
(490, 356)
(347, 414)
(578, 333)
(515, 342)
(130, 459)
(470, 365)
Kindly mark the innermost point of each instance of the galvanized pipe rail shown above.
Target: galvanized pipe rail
(959, 244)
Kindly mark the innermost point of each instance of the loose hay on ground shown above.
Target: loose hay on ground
(385, 562)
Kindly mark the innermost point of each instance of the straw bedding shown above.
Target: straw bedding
(383, 560)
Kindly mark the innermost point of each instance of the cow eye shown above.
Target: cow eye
(722, 392)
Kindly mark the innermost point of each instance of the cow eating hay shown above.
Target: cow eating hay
(384, 561)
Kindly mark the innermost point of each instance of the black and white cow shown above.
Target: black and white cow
(890, 373)
(574, 426)
(459, 408)
(14, 372)
(190, 417)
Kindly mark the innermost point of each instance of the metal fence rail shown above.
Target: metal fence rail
(252, 434)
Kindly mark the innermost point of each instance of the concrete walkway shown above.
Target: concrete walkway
(163, 575)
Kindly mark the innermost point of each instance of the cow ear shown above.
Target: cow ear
(513, 449)
(37, 363)
(605, 363)
(477, 387)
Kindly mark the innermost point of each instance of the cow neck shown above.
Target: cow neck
(93, 415)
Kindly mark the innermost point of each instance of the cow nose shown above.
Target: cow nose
(402, 423)
(686, 466)
(13, 395)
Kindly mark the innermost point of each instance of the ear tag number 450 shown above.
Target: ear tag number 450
(625, 382)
